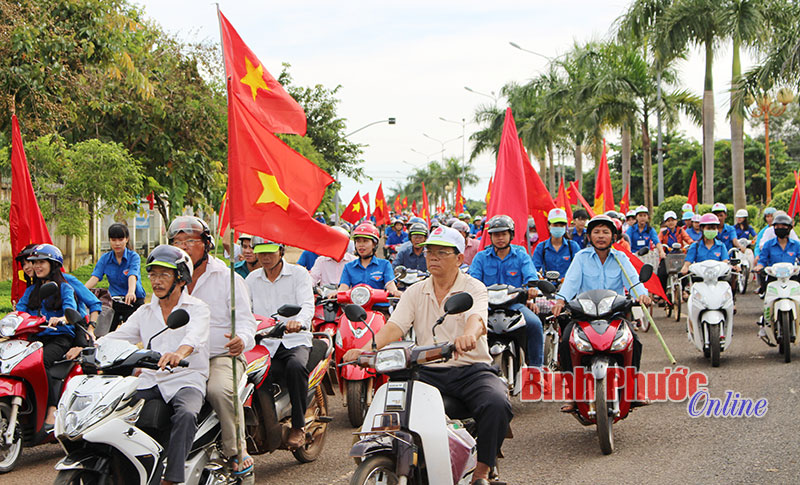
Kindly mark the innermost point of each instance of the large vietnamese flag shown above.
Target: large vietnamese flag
(274, 190)
(258, 91)
(693, 191)
(509, 193)
(25, 221)
(539, 200)
(381, 209)
(562, 200)
(603, 192)
(355, 210)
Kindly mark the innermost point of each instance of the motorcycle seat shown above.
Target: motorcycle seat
(455, 408)
(318, 350)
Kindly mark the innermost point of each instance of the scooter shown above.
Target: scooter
(357, 383)
(23, 384)
(413, 434)
(781, 303)
(409, 277)
(746, 258)
(327, 312)
(506, 333)
(552, 331)
(710, 318)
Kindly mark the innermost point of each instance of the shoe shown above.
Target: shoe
(48, 428)
(569, 408)
(481, 481)
(296, 439)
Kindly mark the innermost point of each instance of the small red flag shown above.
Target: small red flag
(25, 221)
(355, 210)
(653, 285)
(563, 201)
(426, 208)
(625, 202)
(224, 221)
(381, 209)
(489, 191)
(603, 192)
(414, 207)
(574, 192)
(366, 203)
(459, 199)
(693, 191)
(258, 91)
(794, 204)
(405, 202)
(151, 198)
(397, 207)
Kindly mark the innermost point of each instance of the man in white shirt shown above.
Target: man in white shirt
(328, 271)
(211, 282)
(183, 388)
(279, 283)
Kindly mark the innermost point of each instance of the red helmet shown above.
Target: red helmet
(618, 225)
(367, 230)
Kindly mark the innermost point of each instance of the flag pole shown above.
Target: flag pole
(235, 402)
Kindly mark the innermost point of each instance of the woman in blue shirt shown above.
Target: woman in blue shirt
(122, 267)
(59, 336)
(642, 234)
(743, 227)
(707, 248)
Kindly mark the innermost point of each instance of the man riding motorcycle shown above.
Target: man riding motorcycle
(211, 283)
(182, 388)
(556, 253)
(471, 245)
(469, 377)
(780, 249)
(727, 233)
(409, 254)
(505, 263)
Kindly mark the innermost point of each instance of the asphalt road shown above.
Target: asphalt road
(659, 443)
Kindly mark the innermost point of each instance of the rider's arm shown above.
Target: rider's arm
(93, 280)
(527, 268)
(574, 278)
(22, 304)
(344, 281)
(538, 255)
(476, 268)
(246, 324)
(85, 296)
(305, 298)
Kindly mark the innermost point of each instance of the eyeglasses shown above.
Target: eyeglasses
(159, 276)
(437, 253)
(187, 243)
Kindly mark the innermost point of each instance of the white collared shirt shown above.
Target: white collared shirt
(328, 271)
(214, 288)
(292, 287)
(148, 320)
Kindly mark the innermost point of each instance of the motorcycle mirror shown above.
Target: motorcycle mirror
(47, 290)
(546, 287)
(289, 310)
(643, 251)
(735, 261)
(355, 313)
(552, 275)
(72, 315)
(400, 272)
(177, 319)
(458, 303)
(645, 273)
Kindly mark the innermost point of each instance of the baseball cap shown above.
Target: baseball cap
(557, 215)
(265, 247)
(446, 236)
(642, 210)
(670, 215)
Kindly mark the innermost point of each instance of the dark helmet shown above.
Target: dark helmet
(173, 258)
(25, 253)
(191, 225)
(601, 219)
(47, 252)
(499, 224)
(418, 228)
(782, 219)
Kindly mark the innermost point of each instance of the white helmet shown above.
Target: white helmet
(742, 213)
(670, 215)
(719, 207)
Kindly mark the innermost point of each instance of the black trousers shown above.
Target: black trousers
(486, 397)
(123, 311)
(54, 349)
(289, 366)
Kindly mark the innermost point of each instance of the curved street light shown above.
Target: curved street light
(491, 96)
(517, 46)
(442, 142)
(766, 106)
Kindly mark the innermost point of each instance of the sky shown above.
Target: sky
(411, 60)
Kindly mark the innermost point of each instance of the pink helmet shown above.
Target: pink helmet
(709, 219)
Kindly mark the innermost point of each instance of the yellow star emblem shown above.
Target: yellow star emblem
(379, 204)
(254, 78)
(357, 207)
(272, 193)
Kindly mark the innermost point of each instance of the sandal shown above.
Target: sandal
(569, 408)
(247, 470)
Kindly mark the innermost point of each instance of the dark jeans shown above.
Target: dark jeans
(484, 394)
(177, 441)
(289, 365)
(123, 311)
(534, 333)
(53, 350)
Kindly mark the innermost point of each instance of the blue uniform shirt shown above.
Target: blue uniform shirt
(578, 238)
(84, 297)
(516, 269)
(748, 233)
(772, 252)
(67, 301)
(642, 239)
(377, 273)
(698, 252)
(241, 268)
(406, 257)
(757, 248)
(727, 235)
(546, 258)
(118, 273)
(393, 238)
(306, 259)
(695, 235)
(587, 273)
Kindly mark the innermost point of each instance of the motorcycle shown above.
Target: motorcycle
(23, 383)
(745, 257)
(327, 311)
(781, 302)
(268, 408)
(356, 383)
(552, 331)
(710, 322)
(398, 445)
(601, 342)
(409, 276)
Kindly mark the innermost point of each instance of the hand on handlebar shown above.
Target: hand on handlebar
(533, 292)
(644, 300)
(171, 359)
(464, 344)
(558, 307)
(54, 321)
(73, 353)
(352, 355)
(293, 326)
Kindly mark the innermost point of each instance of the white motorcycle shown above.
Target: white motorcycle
(746, 260)
(101, 425)
(781, 304)
(710, 319)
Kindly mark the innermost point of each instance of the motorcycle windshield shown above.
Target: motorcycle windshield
(595, 304)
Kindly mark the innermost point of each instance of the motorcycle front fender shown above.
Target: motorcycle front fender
(600, 367)
(84, 459)
(784, 305)
(713, 317)
(355, 373)
(12, 387)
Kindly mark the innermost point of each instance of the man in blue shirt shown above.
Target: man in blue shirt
(578, 233)
(642, 234)
(727, 234)
(780, 249)
(504, 263)
(557, 252)
(250, 262)
(368, 268)
(395, 237)
(476, 226)
(410, 253)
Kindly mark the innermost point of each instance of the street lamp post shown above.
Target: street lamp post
(516, 46)
(443, 142)
(463, 124)
(766, 106)
(491, 96)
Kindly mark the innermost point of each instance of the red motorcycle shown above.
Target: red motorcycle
(23, 384)
(327, 311)
(356, 383)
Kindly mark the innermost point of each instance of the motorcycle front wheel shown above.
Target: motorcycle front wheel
(377, 469)
(786, 337)
(714, 344)
(9, 454)
(605, 423)
(81, 477)
(356, 392)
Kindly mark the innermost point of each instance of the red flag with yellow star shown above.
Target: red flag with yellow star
(355, 210)
(414, 207)
(459, 199)
(273, 190)
(405, 202)
(426, 208)
(489, 190)
(381, 209)
(397, 207)
(258, 91)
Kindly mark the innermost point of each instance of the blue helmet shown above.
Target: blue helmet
(47, 252)
(416, 219)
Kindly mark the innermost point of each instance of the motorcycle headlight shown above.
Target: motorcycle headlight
(390, 360)
(622, 339)
(580, 339)
(605, 305)
(360, 295)
(588, 306)
(82, 401)
(9, 324)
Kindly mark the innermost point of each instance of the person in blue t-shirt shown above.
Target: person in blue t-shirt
(727, 234)
(578, 233)
(743, 227)
(707, 248)
(250, 262)
(368, 269)
(509, 264)
(642, 234)
(307, 259)
(395, 236)
(410, 253)
(689, 225)
(780, 249)
(557, 252)
(769, 215)
(121, 266)
(59, 336)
